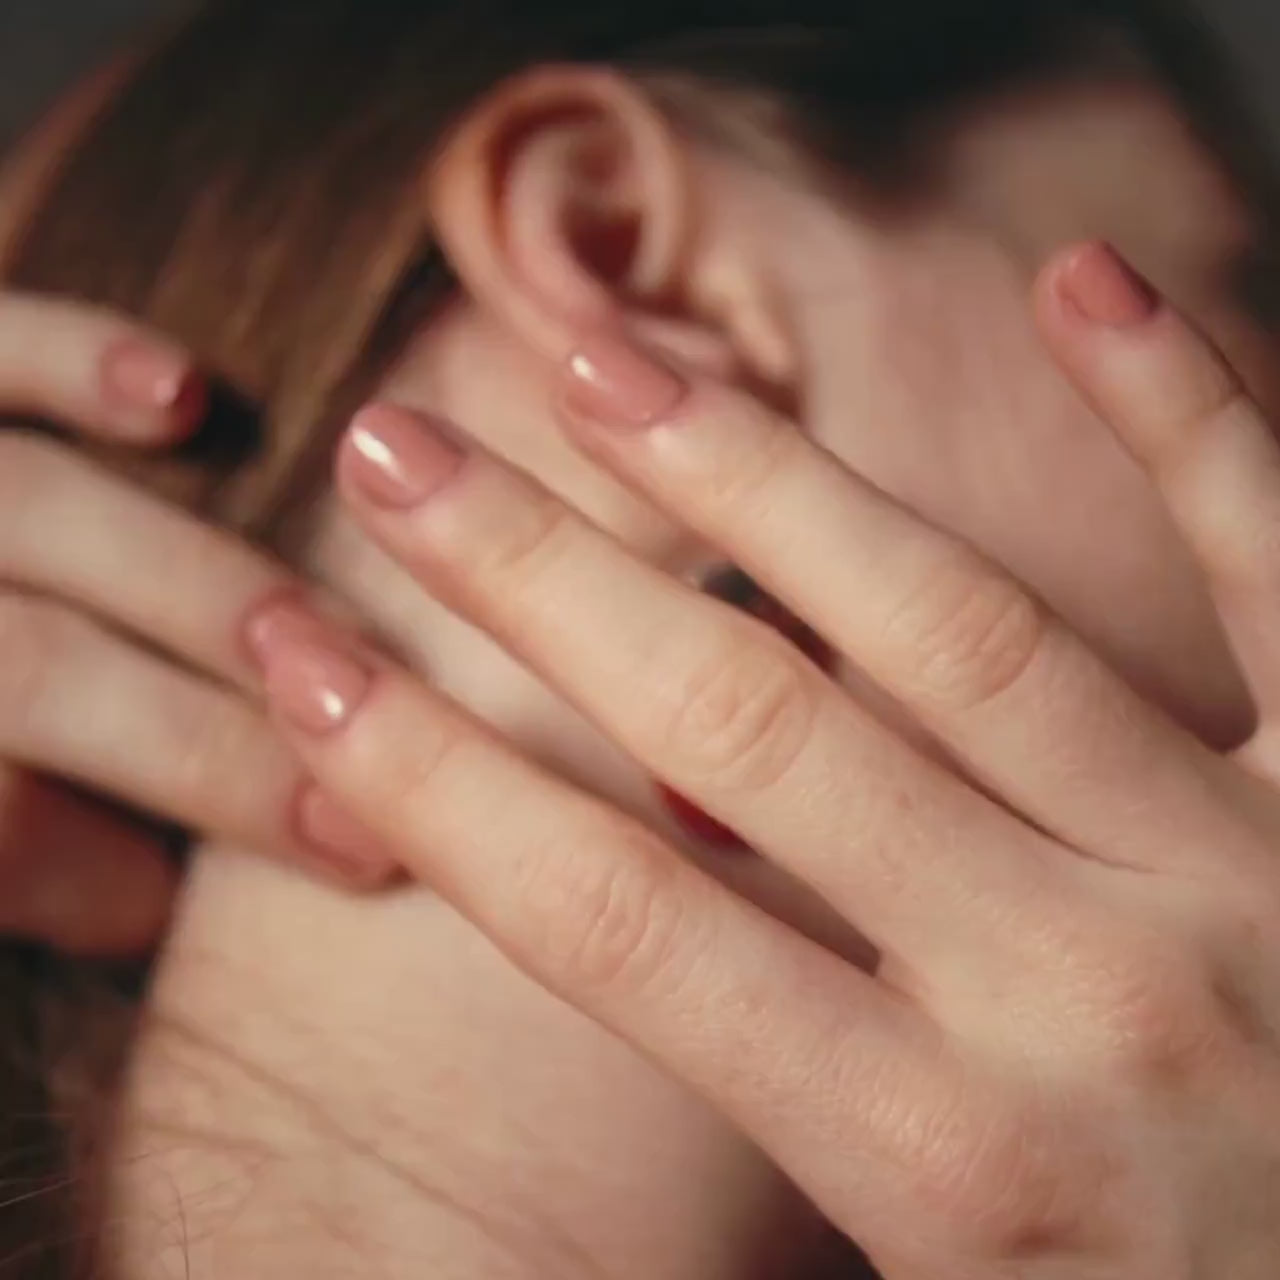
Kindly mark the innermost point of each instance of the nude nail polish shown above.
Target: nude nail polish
(310, 675)
(316, 686)
(611, 382)
(1103, 288)
(146, 376)
(344, 846)
(395, 458)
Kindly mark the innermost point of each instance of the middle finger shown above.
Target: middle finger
(713, 703)
(1019, 700)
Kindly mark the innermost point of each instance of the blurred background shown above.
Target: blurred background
(44, 44)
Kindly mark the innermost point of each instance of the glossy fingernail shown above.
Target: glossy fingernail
(611, 382)
(1099, 284)
(344, 846)
(310, 675)
(395, 458)
(149, 377)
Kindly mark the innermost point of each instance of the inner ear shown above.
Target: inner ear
(562, 200)
(587, 211)
(603, 210)
(607, 241)
(569, 201)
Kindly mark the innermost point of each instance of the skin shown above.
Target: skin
(341, 1111)
(1065, 1063)
(73, 873)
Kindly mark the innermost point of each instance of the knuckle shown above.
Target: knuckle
(742, 717)
(1155, 1017)
(756, 469)
(967, 633)
(416, 782)
(607, 914)
(532, 533)
(988, 1177)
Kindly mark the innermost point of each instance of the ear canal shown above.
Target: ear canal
(604, 212)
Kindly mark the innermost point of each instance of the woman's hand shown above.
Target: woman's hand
(1066, 1064)
(86, 562)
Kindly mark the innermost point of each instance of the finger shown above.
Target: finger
(719, 707)
(1019, 702)
(88, 368)
(1185, 415)
(75, 877)
(794, 1044)
(83, 704)
(69, 528)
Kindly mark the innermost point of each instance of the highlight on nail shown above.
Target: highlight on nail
(610, 380)
(396, 458)
(312, 674)
(1105, 289)
(150, 377)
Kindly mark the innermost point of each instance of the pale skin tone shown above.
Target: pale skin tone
(1065, 1064)
(71, 692)
(320, 1081)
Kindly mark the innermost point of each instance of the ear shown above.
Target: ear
(567, 201)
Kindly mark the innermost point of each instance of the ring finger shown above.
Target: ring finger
(1021, 703)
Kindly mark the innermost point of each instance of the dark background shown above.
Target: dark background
(44, 44)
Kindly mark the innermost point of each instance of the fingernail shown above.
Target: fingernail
(396, 458)
(341, 844)
(612, 382)
(1099, 284)
(147, 376)
(310, 677)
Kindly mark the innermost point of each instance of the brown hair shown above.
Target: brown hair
(254, 190)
